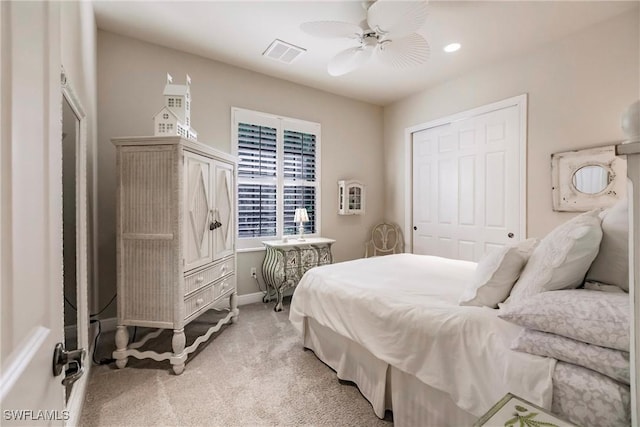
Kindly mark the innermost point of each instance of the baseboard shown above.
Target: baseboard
(108, 324)
(250, 298)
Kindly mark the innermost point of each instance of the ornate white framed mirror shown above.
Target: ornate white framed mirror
(75, 242)
(587, 179)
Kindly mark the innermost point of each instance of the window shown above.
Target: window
(169, 127)
(161, 127)
(172, 102)
(165, 116)
(187, 104)
(178, 102)
(278, 171)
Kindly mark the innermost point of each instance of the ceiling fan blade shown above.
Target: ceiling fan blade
(397, 18)
(348, 60)
(404, 52)
(331, 29)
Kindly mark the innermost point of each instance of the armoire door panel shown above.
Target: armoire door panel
(198, 248)
(223, 202)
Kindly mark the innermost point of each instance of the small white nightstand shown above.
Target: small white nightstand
(513, 411)
(286, 262)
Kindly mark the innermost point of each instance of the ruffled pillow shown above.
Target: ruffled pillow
(562, 258)
(496, 273)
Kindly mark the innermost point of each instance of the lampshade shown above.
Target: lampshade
(301, 215)
(631, 122)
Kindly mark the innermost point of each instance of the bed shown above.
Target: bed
(394, 326)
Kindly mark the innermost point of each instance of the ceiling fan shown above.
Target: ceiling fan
(389, 32)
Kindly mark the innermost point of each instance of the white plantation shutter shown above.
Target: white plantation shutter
(299, 169)
(257, 183)
(278, 172)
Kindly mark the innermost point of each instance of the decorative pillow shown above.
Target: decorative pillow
(562, 258)
(496, 273)
(609, 362)
(588, 398)
(612, 263)
(594, 317)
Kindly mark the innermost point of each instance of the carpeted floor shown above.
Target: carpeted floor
(253, 373)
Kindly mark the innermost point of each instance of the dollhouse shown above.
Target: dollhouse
(175, 117)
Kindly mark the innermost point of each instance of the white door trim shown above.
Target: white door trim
(519, 101)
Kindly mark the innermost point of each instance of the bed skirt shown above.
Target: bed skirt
(387, 388)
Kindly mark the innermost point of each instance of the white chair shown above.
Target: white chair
(386, 239)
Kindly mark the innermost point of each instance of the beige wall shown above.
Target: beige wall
(131, 78)
(578, 87)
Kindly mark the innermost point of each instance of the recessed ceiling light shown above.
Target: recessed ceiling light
(451, 47)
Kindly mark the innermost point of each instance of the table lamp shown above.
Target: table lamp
(301, 217)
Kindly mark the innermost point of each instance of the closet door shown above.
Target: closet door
(466, 185)
(198, 211)
(223, 205)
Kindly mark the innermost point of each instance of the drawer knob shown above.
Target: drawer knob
(199, 301)
(200, 279)
(224, 269)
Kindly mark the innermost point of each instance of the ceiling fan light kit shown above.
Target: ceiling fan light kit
(452, 47)
(389, 32)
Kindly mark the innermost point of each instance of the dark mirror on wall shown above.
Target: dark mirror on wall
(70, 126)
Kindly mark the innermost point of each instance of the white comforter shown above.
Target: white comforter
(404, 310)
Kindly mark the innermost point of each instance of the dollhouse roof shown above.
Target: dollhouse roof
(165, 109)
(173, 90)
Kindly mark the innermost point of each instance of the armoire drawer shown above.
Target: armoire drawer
(225, 286)
(199, 300)
(201, 278)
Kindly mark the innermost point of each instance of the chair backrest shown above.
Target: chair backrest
(386, 239)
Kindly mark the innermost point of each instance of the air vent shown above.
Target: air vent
(283, 51)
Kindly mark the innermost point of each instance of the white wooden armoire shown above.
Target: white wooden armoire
(175, 241)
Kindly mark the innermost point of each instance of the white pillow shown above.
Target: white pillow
(562, 258)
(611, 266)
(496, 273)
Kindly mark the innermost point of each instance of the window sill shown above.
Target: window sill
(245, 250)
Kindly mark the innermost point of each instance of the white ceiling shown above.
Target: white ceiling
(237, 32)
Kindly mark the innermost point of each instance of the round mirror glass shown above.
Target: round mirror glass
(591, 179)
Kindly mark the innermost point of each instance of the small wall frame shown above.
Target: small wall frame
(587, 179)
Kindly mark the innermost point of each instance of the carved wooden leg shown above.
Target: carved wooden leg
(122, 341)
(177, 344)
(267, 296)
(278, 306)
(233, 304)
